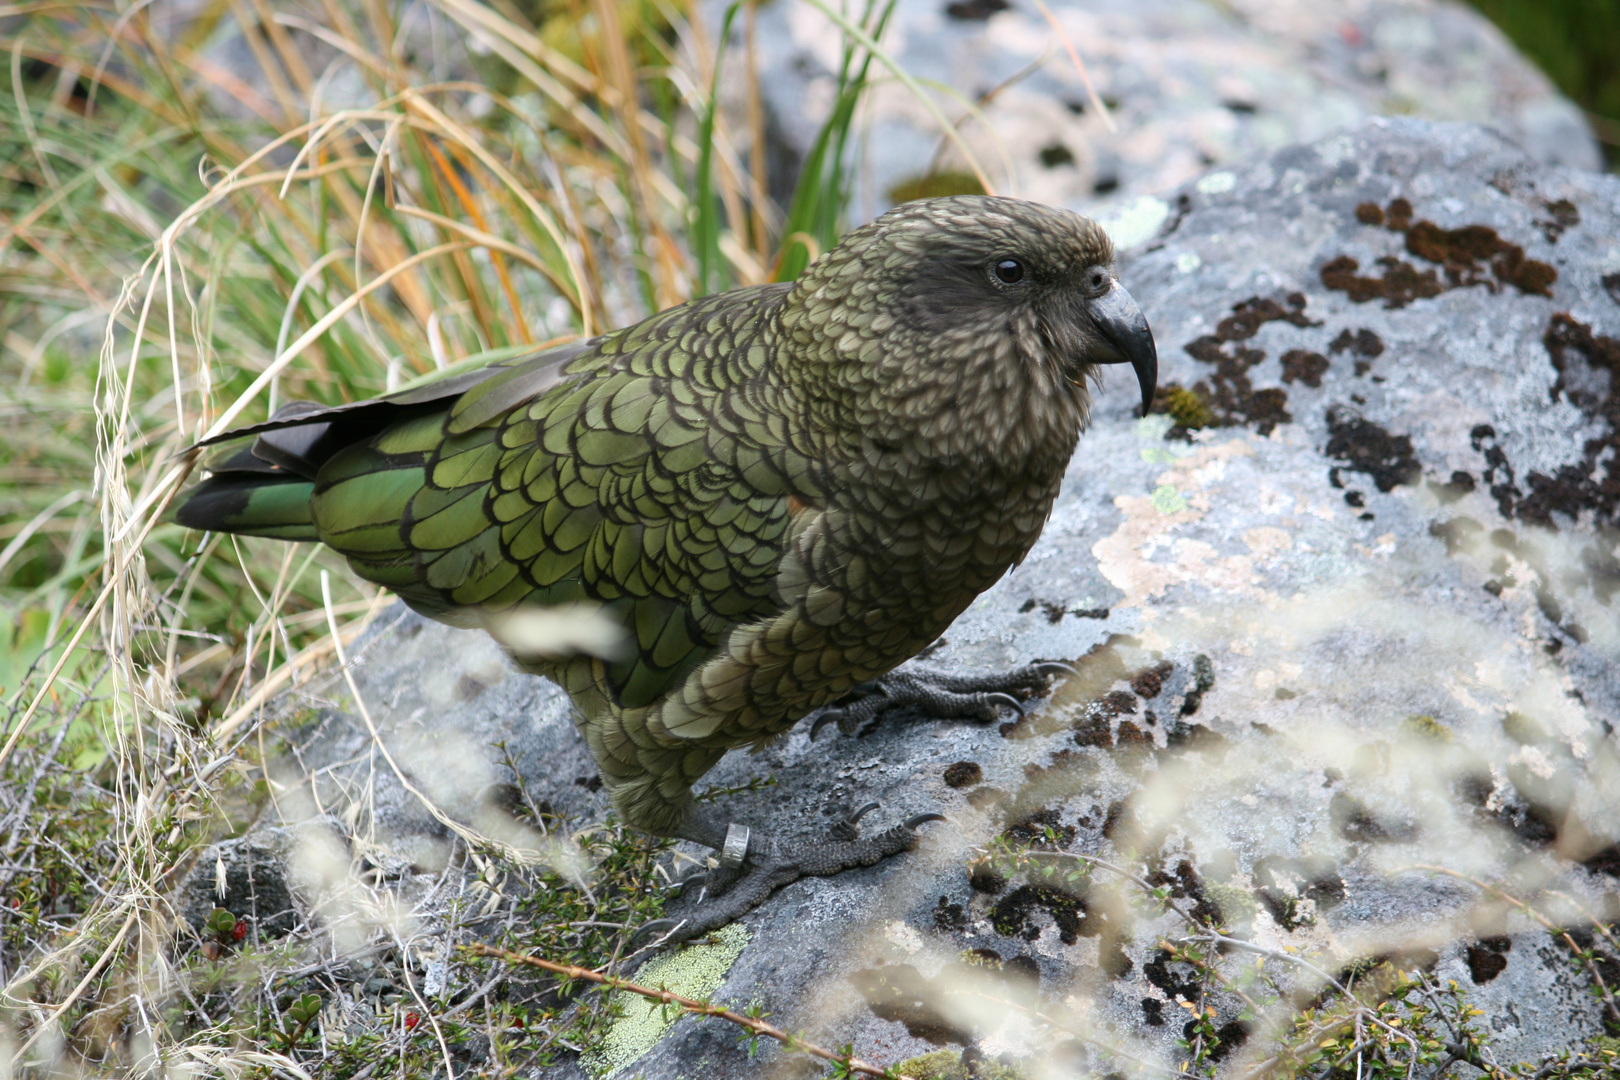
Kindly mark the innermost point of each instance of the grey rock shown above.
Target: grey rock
(1344, 656)
(260, 877)
(1192, 83)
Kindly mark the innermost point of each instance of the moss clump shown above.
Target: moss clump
(1424, 726)
(1186, 407)
(947, 1065)
(936, 185)
(1237, 907)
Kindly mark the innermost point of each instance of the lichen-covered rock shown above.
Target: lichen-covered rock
(1190, 84)
(1344, 621)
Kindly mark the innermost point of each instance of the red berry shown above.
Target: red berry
(239, 931)
(411, 1020)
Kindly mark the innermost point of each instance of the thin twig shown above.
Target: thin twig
(691, 1005)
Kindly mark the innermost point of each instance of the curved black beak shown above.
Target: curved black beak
(1122, 324)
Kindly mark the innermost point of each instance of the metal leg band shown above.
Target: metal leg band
(735, 849)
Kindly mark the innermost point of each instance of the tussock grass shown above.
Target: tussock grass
(206, 211)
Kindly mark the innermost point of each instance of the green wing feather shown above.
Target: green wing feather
(631, 483)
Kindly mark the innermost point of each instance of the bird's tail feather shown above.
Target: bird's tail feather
(274, 504)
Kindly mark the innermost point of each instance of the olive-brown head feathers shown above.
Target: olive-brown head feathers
(968, 280)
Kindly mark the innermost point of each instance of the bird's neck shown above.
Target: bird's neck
(982, 408)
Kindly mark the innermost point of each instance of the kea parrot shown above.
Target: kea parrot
(780, 493)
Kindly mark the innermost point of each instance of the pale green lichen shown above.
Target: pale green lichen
(1136, 222)
(947, 1065)
(1167, 500)
(693, 972)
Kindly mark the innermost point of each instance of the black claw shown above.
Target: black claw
(922, 819)
(862, 812)
(827, 716)
(850, 828)
(1005, 699)
(1054, 667)
(656, 928)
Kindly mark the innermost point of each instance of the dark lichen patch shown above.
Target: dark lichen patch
(1094, 730)
(975, 10)
(1363, 343)
(1153, 1012)
(1248, 316)
(1468, 251)
(1012, 914)
(1561, 215)
(1054, 612)
(1165, 972)
(963, 774)
(1487, 958)
(950, 918)
(1460, 484)
(1284, 883)
(1055, 154)
(1368, 448)
(1611, 285)
(1203, 683)
(1093, 726)
(1300, 365)
(1228, 1037)
(1588, 367)
(1604, 861)
(1465, 254)
(1400, 284)
(1588, 376)
(1462, 251)
(1119, 820)
(1354, 820)
(1129, 735)
(1229, 395)
(1200, 737)
(1041, 830)
(984, 877)
(1185, 883)
(1149, 681)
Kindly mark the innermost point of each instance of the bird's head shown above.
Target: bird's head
(1003, 292)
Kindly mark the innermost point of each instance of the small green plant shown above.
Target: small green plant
(299, 1016)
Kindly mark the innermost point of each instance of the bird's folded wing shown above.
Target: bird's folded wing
(610, 488)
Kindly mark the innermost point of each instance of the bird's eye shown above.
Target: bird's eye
(1098, 279)
(1010, 271)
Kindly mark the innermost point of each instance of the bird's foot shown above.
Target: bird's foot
(939, 695)
(728, 892)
